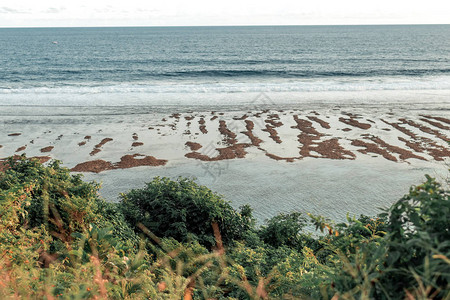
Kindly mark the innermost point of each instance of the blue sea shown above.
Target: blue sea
(151, 66)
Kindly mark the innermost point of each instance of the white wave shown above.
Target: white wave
(307, 85)
(198, 93)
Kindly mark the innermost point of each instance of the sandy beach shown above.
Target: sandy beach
(328, 160)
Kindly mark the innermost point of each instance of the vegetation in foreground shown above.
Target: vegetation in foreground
(179, 240)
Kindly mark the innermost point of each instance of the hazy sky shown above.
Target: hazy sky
(17, 13)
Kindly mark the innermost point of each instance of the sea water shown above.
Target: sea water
(224, 66)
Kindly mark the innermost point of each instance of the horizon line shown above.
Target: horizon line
(194, 26)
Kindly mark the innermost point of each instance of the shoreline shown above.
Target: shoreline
(231, 150)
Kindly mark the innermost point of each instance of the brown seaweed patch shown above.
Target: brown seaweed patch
(322, 123)
(230, 152)
(435, 124)
(243, 117)
(137, 144)
(99, 145)
(95, 151)
(94, 166)
(373, 148)
(416, 146)
(47, 149)
(333, 150)
(355, 123)
(131, 161)
(274, 116)
(273, 133)
(230, 137)
(438, 152)
(82, 143)
(426, 129)
(274, 123)
(307, 137)
(249, 125)
(193, 146)
(424, 144)
(202, 126)
(276, 157)
(401, 129)
(203, 129)
(306, 127)
(21, 148)
(126, 162)
(421, 144)
(440, 119)
(234, 150)
(403, 153)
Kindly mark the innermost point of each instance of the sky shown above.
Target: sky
(68, 13)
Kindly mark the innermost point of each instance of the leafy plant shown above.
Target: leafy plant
(184, 210)
(59, 239)
(419, 237)
(284, 230)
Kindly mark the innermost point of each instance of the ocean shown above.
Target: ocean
(226, 66)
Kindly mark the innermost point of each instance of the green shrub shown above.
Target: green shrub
(58, 200)
(182, 209)
(419, 239)
(284, 230)
(50, 245)
(61, 202)
(59, 239)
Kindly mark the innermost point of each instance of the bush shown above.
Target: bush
(59, 239)
(61, 202)
(284, 230)
(182, 209)
(50, 244)
(419, 239)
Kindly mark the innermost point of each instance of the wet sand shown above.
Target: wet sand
(207, 142)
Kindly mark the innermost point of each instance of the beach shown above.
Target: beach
(330, 161)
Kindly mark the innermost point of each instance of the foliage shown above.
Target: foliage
(60, 240)
(184, 210)
(286, 230)
(61, 202)
(419, 238)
